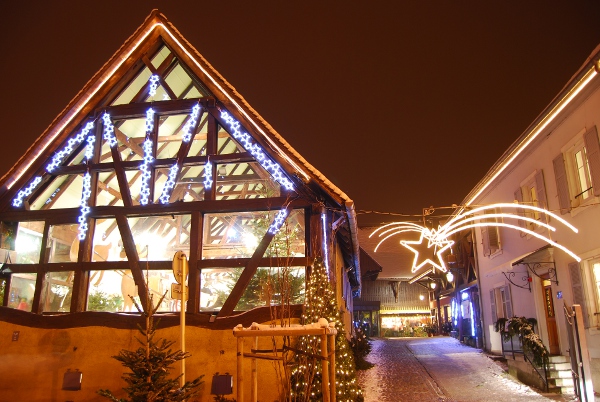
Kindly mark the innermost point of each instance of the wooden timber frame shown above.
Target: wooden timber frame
(115, 171)
(326, 332)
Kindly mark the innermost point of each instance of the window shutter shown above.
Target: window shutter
(485, 241)
(578, 295)
(592, 149)
(540, 190)
(508, 302)
(562, 186)
(520, 212)
(493, 303)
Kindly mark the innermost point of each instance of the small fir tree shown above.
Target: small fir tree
(151, 365)
(306, 376)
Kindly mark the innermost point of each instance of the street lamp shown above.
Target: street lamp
(449, 276)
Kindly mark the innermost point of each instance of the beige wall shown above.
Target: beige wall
(32, 368)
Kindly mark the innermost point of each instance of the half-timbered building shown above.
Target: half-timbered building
(157, 154)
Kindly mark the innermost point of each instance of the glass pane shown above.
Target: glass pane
(236, 235)
(179, 82)
(22, 288)
(188, 187)
(160, 56)
(198, 147)
(107, 241)
(226, 144)
(28, 243)
(269, 286)
(57, 292)
(62, 192)
(133, 88)
(63, 243)
(108, 190)
(158, 238)
(131, 134)
(170, 135)
(244, 181)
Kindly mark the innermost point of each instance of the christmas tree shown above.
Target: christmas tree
(151, 365)
(306, 376)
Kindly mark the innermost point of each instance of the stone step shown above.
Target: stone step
(564, 382)
(559, 359)
(559, 374)
(559, 366)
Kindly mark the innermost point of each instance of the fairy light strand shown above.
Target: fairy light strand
(109, 130)
(165, 196)
(153, 81)
(26, 192)
(208, 180)
(58, 157)
(255, 150)
(187, 129)
(278, 221)
(145, 167)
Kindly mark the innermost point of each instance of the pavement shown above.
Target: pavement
(440, 369)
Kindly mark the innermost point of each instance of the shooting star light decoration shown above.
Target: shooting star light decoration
(432, 243)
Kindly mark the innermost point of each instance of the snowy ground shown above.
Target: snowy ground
(439, 369)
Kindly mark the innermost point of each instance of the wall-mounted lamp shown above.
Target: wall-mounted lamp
(72, 380)
(222, 384)
(421, 297)
(432, 285)
(449, 276)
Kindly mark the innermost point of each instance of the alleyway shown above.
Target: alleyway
(438, 369)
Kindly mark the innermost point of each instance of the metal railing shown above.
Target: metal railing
(514, 346)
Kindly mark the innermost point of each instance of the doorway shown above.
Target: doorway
(553, 345)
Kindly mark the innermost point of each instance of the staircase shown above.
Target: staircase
(560, 379)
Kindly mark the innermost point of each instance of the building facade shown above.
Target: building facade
(524, 266)
(158, 154)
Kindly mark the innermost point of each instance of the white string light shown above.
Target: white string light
(85, 209)
(148, 159)
(109, 130)
(325, 249)
(26, 192)
(278, 221)
(187, 129)
(255, 150)
(153, 84)
(58, 157)
(169, 184)
(208, 181)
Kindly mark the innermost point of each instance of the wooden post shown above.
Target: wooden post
(332, 367)
(587, 388)
(254, 390)
(324, 367)
(240, 369)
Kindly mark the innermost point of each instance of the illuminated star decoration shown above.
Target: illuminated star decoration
(438, 240)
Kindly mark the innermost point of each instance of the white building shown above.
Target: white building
(554, 164)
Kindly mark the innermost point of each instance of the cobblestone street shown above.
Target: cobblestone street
(439, 369)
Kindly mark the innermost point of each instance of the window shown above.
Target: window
(532, 191)
(577, 171)
(501, 303)
(490, 236)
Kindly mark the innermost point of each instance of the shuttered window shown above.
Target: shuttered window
(562, 185)
(592, 148)
(490, 237)
(578, 293)
(501, 304)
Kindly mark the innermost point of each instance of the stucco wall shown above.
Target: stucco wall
(32, 368)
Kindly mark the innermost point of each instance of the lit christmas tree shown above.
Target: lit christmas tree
(306, 376)
(151, 365)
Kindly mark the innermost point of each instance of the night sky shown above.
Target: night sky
(402, 106)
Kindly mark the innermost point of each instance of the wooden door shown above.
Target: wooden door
(550, 318)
